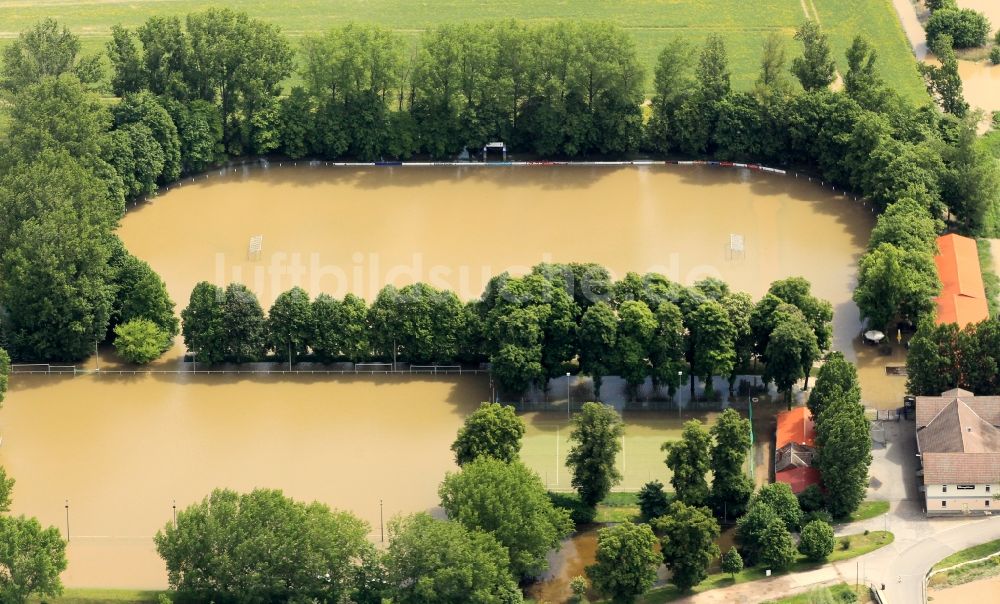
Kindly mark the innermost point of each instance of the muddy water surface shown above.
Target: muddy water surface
(342, 229)
(121, 450)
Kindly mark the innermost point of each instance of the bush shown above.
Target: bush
(967, 27)
(845, 543)
(732, 562)
(933, 5)
(578, 585)
(140, 341)
(816, 542)
(579, 512)
(652, 500)
(811, 499)
(995, 55)
(823, 515)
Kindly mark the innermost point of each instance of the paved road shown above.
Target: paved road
(911, 27)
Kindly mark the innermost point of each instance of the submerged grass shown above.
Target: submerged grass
(97, 596)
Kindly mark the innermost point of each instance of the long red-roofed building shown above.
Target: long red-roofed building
(963, 297)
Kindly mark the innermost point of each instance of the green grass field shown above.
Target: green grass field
(546, 443)
(973, 553)
(652, 22)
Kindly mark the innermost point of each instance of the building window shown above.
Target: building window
(944, 488)
(966, 487)
(987, 488)
(987, 503)
(944, 504)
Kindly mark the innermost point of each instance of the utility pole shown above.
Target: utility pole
(175, 513)
(67, 520)
(381, 524)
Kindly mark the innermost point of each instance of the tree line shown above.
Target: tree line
(560, 89)
(942, 357)
(557, 318)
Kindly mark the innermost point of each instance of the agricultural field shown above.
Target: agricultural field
(653, 23)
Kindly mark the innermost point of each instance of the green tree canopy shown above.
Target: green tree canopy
(907, 225)
(732, 562)
(508, 501)
(687, 543)
(340, 328)
(896, 283)
(815, 69)
(261, 546)
(45, 50)
(596, 437)
(837, 378)
(791, 350)
(764, 538)
(139, 292)
(731, 487)
(626, 561)
(438, 561)
(713, 340)
(140, 341)
(636, 329)
(967, 27)
(203, 327)
(492, 430)
(931, 363)
(598, 340)
(843, 438)
(244, 328)
(290, 324)
(689, 460)
(816, 542)
(779, 497)
(653, 500)
(32, 558)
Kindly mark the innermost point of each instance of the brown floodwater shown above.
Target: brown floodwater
(123, 449)
(983, 590)
(580, 551)
(340, 230)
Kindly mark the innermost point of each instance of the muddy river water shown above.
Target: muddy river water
(122, 450)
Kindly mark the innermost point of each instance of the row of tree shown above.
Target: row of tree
(530, 328)
(558, 89)
(897, 277)
(566, 89)
(942, 357)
